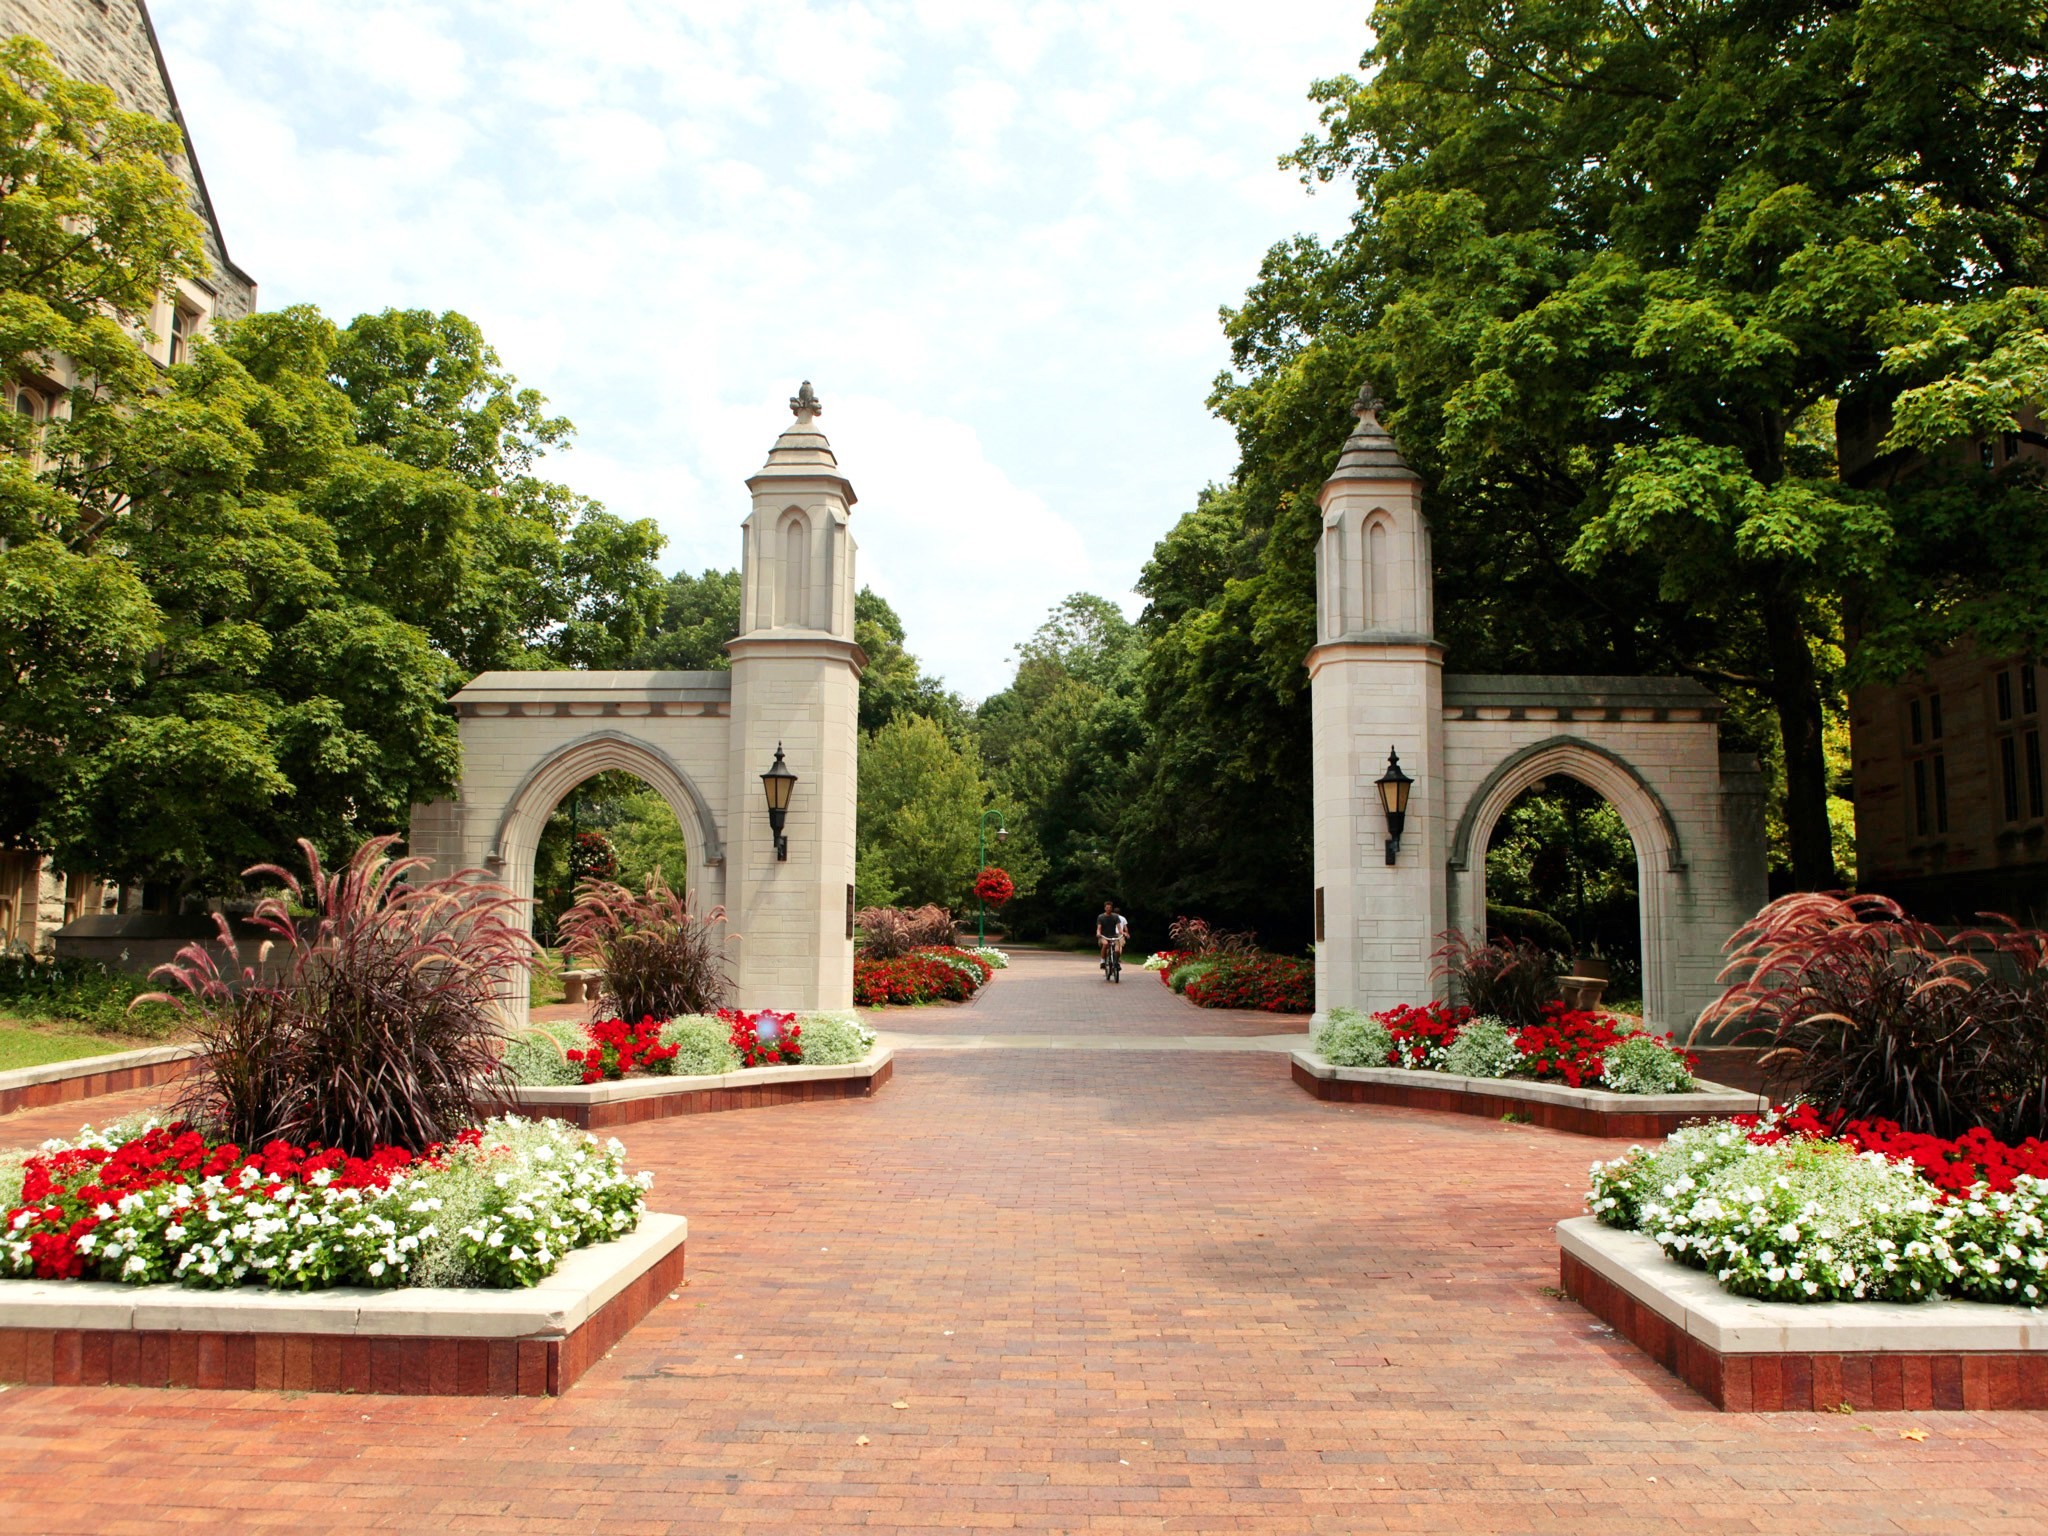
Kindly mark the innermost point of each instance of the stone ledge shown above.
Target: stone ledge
(1583, 1111)
(90, 1077)
(466, 1343)
(628, 1102)
(1768, 1356)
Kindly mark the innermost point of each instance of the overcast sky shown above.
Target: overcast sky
(994, 235)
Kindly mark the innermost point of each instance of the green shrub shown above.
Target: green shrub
(703, 1046)
(1483, 1047)
(1349, 1039)
(1183, 974)
(80, 992)
(535, 1057)
(1645, 1064)
(833, 1039)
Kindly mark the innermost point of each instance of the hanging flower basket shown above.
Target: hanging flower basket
(994, 886)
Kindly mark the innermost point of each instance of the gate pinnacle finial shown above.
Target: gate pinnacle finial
(804, 404)
(1368, 401)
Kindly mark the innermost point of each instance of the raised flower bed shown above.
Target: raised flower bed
(608, 1073)
(501, 1264)
(1577, 1070)
(1799, 1261)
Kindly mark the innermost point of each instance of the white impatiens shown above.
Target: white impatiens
(497, 1208)
(1806, 1219)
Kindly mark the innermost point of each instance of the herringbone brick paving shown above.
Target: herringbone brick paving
(1115, 1292)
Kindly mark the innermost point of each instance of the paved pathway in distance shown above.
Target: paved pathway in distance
(1151, 1291)
(1061, 995)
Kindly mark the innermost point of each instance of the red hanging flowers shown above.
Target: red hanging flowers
(994, 886)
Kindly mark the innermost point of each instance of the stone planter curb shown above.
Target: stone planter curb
(1584, 1111)
(414, 1340)
(1766, 1356)
(90, 1077)
(631, 1100)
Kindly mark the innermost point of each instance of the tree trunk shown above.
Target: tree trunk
(1795, 694)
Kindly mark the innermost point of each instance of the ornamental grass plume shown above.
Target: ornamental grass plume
(890, 933)
(1878, 1016)
(656, 958)
(1508, 979)
(382, 1025)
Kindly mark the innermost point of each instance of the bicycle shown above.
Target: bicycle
(1113, 962)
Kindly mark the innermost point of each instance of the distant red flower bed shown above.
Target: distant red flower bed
(933, 975)
(1268, 983)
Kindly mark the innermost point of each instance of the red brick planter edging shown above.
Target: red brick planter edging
(90, 1077)
(1581, 1111)
(1812, 1380)
(590, 1110)
(409, 1365)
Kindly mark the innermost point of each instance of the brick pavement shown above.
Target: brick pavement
(1135, 1292)
(1053, 992)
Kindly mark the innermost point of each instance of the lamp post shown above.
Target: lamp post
(1393, 786)
(777, 782)
(981, 863)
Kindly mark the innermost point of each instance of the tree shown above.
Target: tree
(1645, 283)
(894, 685)
(236, 593)
(698, 615)
(93, 224)
(921, 796)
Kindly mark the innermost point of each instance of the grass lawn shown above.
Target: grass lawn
(36, 1045)
(547, 985)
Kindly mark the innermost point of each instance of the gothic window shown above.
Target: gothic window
(1376, 576)
(1926, 765)
(796, 570)
(2016, 735)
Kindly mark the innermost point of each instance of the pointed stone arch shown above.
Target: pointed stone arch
(1660, 855)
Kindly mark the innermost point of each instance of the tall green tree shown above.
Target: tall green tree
(235, 593)
(93, 225)
(921, 795)
(1676, 302)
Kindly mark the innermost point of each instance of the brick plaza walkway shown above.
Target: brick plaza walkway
(1144, 1291)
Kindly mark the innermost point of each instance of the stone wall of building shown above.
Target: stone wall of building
(1951, 788)
(113, 43)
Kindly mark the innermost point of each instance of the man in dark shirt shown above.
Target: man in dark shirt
(1110, 928)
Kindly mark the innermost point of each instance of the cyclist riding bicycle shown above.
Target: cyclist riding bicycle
(1110, 929)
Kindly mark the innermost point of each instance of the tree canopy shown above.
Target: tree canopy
(1682, 307)
(235, 593)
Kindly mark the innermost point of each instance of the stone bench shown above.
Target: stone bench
(582, 986)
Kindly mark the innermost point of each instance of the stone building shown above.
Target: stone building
(1951, 818)
(112, 43)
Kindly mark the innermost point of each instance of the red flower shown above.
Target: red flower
(994, 886)
(617, 1049)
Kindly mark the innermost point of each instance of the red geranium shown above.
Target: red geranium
(765, 1038)
(1952, 1166)
(994, 886)
(618, 1048)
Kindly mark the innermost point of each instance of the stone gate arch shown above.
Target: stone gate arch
(1471, 744)
(1659, 849)
(527, 809)
(702, 740)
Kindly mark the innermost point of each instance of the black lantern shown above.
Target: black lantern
(1393, 786)
(777, 782)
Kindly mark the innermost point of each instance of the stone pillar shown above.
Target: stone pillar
(795, 684)
(1376, 685)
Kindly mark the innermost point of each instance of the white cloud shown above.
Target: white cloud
(995, 236)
